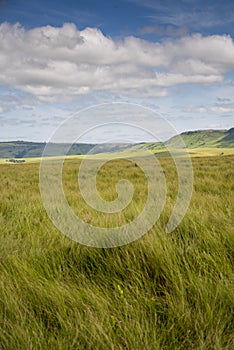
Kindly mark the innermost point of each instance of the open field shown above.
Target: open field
(164, 291)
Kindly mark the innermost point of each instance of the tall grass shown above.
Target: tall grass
(164, 291)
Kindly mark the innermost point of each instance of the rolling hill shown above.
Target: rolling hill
(192, 139)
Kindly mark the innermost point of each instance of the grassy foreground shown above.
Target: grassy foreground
(164, 291)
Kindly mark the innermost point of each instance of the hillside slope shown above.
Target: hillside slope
(206, 138)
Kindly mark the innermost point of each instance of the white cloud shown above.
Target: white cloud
(61, 63)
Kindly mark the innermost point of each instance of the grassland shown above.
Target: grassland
(164, 291)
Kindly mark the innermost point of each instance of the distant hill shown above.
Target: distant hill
(192, 139)
(22, 149)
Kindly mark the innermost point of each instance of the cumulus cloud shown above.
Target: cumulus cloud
(55, 63)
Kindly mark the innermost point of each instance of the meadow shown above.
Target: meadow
(163, 291)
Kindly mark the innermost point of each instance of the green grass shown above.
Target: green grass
(164, 291)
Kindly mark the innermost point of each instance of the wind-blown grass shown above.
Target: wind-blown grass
(164, 291)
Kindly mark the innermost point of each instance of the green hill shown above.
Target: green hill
(206, 138)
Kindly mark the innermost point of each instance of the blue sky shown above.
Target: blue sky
(57, 57)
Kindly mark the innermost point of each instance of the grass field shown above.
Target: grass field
(164, 291)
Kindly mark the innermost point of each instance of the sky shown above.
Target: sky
(59, 57)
